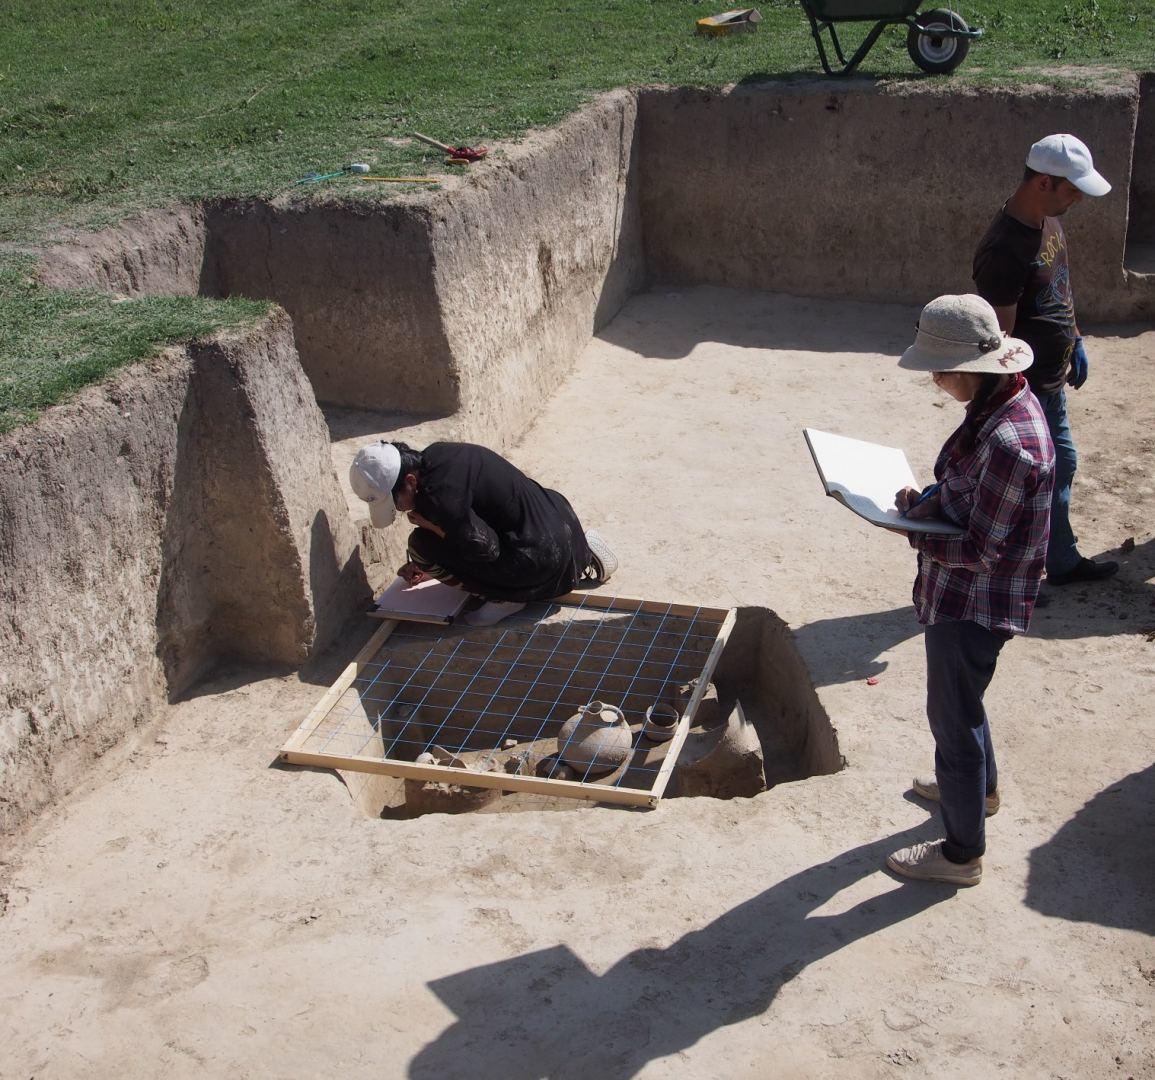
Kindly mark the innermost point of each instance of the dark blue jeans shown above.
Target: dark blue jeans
(960, 663)
(1062, 552)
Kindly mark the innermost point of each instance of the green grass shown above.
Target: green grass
(113, 105)
(110, 107)
(52, 343)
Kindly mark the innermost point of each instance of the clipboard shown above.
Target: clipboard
(864, 477)
(429, 601)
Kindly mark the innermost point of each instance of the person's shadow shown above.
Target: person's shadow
(1098, 867)
(1124, 604)
(848, 648)
(547, 1015)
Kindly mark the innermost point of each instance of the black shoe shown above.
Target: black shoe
(1084, 570)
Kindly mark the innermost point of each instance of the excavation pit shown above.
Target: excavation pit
(215, 490)
(451, 721)
(679, 938)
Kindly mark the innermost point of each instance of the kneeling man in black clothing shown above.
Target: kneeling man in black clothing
(482, 525)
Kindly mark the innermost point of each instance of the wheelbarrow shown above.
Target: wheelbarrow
(937, 40)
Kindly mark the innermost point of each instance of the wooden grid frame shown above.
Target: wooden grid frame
(520, 680)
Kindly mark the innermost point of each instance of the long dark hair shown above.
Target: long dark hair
(411, 462)
(988, 384)
(992, 393)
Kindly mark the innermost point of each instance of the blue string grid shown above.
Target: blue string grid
(471, 694)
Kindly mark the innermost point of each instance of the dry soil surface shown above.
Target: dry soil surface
(193, 912)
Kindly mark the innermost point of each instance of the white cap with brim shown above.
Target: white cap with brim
(1068, 157)
(962, 333)
(372, 475)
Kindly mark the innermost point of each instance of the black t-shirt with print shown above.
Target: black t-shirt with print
(1021, 265)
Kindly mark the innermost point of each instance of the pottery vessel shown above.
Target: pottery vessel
(550, 768)
(661, 722)
(444, 797)
(596, 740)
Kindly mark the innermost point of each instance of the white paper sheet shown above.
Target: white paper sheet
(430, 602)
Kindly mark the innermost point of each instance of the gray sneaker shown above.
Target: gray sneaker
(603, 562)
(926, 862)
(927, 787)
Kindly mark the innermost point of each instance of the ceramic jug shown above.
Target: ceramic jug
(596, 740)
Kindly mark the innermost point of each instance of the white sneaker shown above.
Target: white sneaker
(602, 559)
(926, 862)
(491, 612)
(927, 787)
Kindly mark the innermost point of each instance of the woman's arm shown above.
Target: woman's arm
(999, 501)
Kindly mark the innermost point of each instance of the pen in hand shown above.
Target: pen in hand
(929, 493)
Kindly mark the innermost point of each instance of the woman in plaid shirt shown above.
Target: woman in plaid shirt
(974, 591)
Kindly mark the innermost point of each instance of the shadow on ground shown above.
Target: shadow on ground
(546, 1014)
(1124, 604)
(1098, 867)
(847, 648)
(655, 330)
(349, 423)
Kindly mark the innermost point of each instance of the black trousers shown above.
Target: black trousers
(960, 663)
(511, 577)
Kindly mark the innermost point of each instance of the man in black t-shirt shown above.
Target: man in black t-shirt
(1021, 270)
(482, 525)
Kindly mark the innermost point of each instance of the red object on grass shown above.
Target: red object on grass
(470, 153)
(461, 153)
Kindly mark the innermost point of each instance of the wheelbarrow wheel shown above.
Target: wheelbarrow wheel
(932, 50)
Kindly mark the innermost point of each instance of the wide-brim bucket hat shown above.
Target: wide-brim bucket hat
(962, 333)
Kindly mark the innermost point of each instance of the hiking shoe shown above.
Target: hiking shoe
(927, 787)
(1084, 570)
(603, 562)
(926, 862)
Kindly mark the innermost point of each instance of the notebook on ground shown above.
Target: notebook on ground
(429, 602)
(864, 477)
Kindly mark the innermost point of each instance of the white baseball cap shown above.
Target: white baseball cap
(372, 475)
(1068, 157)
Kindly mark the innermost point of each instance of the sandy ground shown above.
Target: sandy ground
(192, 911)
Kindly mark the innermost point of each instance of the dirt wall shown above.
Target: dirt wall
(160, 253)
(762, 669)
(471, 301)
(357, 281)
(787, 688)
(534, 257)
(1142, 222)
(871, 192)
(184, 512)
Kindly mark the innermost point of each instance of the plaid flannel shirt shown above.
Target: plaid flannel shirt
(1000, 492)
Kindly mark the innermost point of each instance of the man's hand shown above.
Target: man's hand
(412, 574)
(424, 523)
(905, 501)
(1080, 365)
